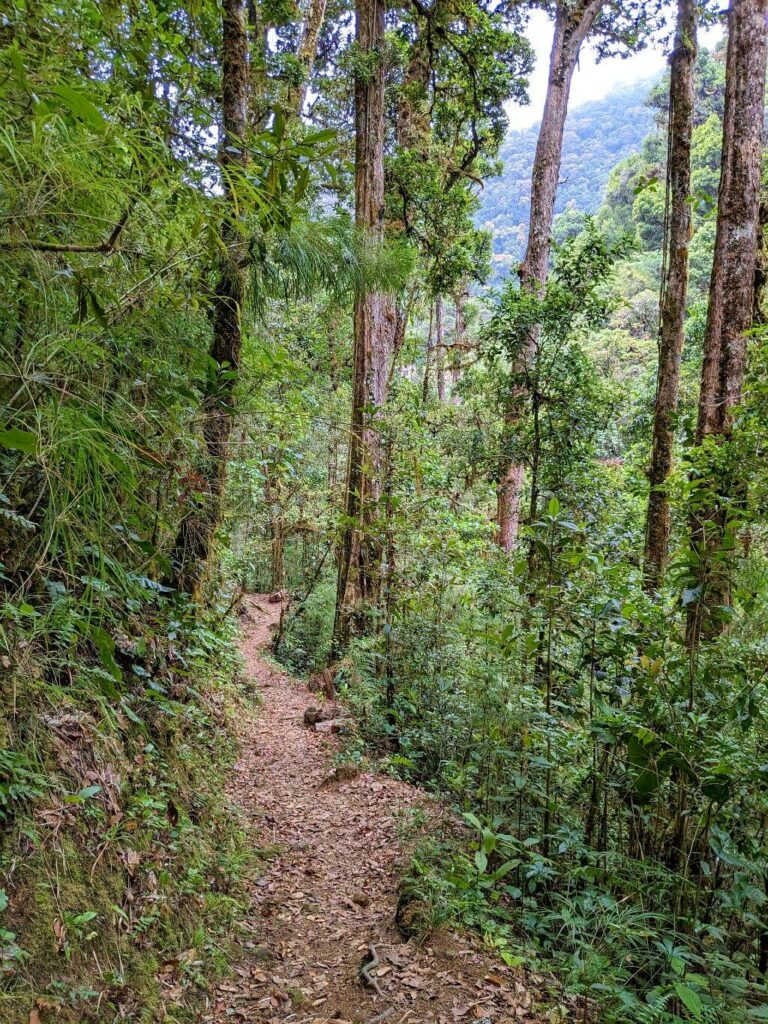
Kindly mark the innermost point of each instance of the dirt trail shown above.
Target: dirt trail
(329, 893)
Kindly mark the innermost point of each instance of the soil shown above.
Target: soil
(320, 945)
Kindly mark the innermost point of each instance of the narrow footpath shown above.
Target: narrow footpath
(323, 947)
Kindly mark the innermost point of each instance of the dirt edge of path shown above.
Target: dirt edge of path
(319, 945)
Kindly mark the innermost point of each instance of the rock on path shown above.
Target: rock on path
(329, 891)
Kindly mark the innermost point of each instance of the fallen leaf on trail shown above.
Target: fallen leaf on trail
(341, 841)
(413, 982)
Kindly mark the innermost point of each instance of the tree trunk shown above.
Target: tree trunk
(761, 267)
(360, 554)
(675, 290)
(731, 305)
(274, 501)
(572, 26)
(427, 359)
(440, 348)
(333, 433)
(259, 99)
(197, 529)
(412, 118)
(306, 51)
(459, 347)
(277, 554)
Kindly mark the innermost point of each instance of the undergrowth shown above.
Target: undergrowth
(563, 774)
(121, 868)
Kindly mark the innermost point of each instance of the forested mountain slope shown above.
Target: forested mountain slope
(597, 136)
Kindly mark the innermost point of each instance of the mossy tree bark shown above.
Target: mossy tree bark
(361, 543)
(730, 313)
(675, 290)
(198, 527)
(306, 51)
(573, 23)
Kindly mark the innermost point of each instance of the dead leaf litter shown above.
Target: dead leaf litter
(320, 943)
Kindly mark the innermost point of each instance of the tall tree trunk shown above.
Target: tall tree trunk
(761, 267)
(573, 24)
(428, 359)
(412, 118)
(277, 553)
(360, 554)
(274, 501)
(675, 289)
(259, 99)
(197, 529)
(333, 433)
(731, 303)
(440, 348)
(459, 347)
(306, 51)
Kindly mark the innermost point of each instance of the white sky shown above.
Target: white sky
(591, 81)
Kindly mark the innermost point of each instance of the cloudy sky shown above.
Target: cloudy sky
(591, 81)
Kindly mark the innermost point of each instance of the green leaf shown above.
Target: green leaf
(511, 959)
(689, 997)
(505, 868)
(80, 106)
(19, 440)
(106, 648)
(131, 714)
(324, 135)
(98, 311)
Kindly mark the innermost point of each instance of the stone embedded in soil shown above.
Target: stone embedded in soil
(341, 726)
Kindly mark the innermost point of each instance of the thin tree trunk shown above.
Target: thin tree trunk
(440, 348)
(572, 26)
(197, 529)
(260, 99)
(360, 554)
(277, 560)
(675, 290)
(731, 303)
(276, 526)
(306, 51)
(427, 359)
(761, 267)
(459, 347)
(333, 431)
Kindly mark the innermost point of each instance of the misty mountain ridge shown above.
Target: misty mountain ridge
(598, 135)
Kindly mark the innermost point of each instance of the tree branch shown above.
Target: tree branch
(106, 248)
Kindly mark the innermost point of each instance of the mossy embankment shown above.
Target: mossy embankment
(120, 864)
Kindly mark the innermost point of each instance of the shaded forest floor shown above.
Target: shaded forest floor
(325, 905)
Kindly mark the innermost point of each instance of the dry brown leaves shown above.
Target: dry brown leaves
(328, 897)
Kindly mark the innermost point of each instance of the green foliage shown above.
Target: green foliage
(598, 136)
(306, 643)
(608, 784)
(112, 831)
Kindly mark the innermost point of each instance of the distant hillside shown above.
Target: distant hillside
(597, 136)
